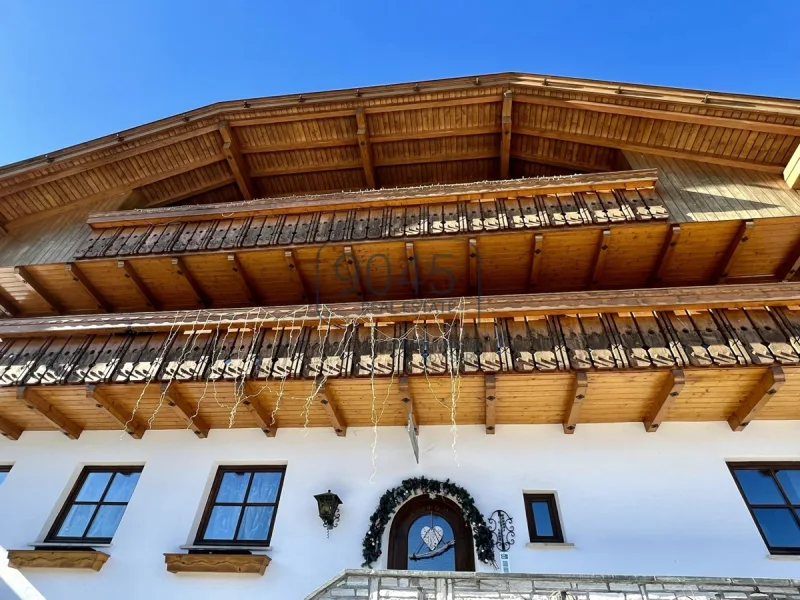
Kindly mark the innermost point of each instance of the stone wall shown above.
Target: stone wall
(423, 585)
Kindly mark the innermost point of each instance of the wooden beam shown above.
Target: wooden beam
(665, 399)
(144, 291)
(536, 261)
(258, 411)
(766, 388)
(244, 278)
(184, 410)
(365, 148)
(666, 254)
(34, 401)
(179, 265)
(8, 306)
(294, 273)
(331, 409)
(735, 247)
(474, 266)
(133, 427)
(599, 262)
(26, 277)
(791, 265)
(490, 398)
(413, 274)
(578, 395)
(575, 165)
(792, 171)
(183, 195)
(236, 162)
(355, 272)
(409, 406)
(8, 430)
(80, 278)
(505, 141)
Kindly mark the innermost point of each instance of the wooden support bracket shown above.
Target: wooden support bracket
(144, 291)
(237, 164)
(505, 141)
(474, 265)
(184, 410)
(413, 274)
(792, 265)
(132, 426)
(80, 278)
(536, 261)
(352, 267)
(26, 277)
(365, 148)
(579, 389)
(408, 402)
(259, 412)
(766, 388)
(8, 430)
(737, 244)
(8, 307)
(332, 410)
(666, 254)
(244, 279)
(294, 273)
(666, 397)
(183, 271)
(38, 404)
(603, 244)
(490, 398)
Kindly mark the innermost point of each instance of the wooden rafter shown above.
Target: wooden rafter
(141, 287)
(666, 254)
(365, 148)
(736, 246)
(505, 141)
(184, 410)
(244, 279)
(536, 261)
(352, 268)
(34, 401)
(792, 171)
(132, 426)
(261, 415)
(767, 387)
(294, 273)
(8, 430)
(409, 405)
(332, 410)
(599, 262)
(180, 268)
(579, 389)
(474, 266)
(792, 265)
(80, 278)
(236, 162)
(413, 274)
(26, 277)
(490, 399)
(8, 307)
(666, 397)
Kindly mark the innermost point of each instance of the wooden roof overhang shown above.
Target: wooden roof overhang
(727, 353)
(600, 231)
(462, 129)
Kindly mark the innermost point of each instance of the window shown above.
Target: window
(772, 493)
(95, 506)
(543, 522)
(4, 469)
(241, 507)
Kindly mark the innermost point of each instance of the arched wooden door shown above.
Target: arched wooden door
(431, 534)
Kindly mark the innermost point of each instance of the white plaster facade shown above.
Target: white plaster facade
(631, 502)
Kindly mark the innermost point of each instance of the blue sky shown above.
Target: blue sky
(74, 70)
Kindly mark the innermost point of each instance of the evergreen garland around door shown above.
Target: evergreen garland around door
(414, 486)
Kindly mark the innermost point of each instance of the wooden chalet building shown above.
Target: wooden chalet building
(211, 319)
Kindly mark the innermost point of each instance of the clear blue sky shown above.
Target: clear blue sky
(73, 70)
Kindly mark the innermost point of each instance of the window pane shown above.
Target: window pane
(790, 480)
(431, 544)
(222, 523)
(541, 519)
(122, 487)
(264, 487)
(93, 487)
(780, 528)
(255, 524)
(3, 475)
(76, 521)
(759, 487)
(106, 521)
(233, 487)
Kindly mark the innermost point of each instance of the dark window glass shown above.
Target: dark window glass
(241, 507)
(543, 521)
(772, 494)
(3, 472)
(96, 504)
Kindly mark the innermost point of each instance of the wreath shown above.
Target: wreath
(414, 486)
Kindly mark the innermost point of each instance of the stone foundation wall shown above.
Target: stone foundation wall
(423, 585)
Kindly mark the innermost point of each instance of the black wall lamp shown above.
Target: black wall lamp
(328, 505)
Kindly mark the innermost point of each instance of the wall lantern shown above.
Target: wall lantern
(328, 504)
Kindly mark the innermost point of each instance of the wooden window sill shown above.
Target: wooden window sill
(550, 545)
(57, 559)
(217, 563)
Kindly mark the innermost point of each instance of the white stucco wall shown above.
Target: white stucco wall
(631, 502)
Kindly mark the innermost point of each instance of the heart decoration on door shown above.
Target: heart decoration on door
(432, 536)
